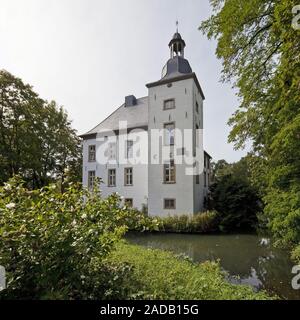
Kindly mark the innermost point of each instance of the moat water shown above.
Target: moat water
(247, 258)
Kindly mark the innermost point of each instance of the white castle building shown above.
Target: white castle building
(150, 150)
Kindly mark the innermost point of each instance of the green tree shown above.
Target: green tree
(233, 197)
(36, 137)
(218, 168)
(260, 52)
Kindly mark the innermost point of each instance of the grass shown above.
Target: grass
(158, 274)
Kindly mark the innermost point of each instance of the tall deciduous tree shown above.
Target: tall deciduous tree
(36, 137)
(233, 196)
(260, 52)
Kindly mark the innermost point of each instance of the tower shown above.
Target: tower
(175, 116)
(177, 45)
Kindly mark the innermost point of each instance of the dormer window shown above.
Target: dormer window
(169, 104)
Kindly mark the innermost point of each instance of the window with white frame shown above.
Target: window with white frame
(112, 151)
(169, 204)
(169, 172)
(169, 104)
(92, 153)
(111, 177)
(128, 202)
(129, 149)
(197, 136)
(169, 133)
(91, 179)
(128, 176)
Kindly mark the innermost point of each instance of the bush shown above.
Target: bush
(199, 223)
(158, 274)
(136, 220)
(53, 245)
(296, 254)
(236, 202)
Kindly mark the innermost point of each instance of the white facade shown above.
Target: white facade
(166, 129)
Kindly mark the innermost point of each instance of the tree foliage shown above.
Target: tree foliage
(233, 196)
(53, 245)
(260, 52)
(36, 137)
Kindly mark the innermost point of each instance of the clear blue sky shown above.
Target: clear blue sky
(89, 54)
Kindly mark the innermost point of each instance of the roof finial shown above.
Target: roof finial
(177, 23)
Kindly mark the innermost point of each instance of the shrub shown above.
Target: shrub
(136, 220)
(236, 202)
(296, 254)
(200, 223)
(53, 245)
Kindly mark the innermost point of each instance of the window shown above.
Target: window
(169, 133)
(128, 202)
(169, 172)
(197, 136)
(128, 176)
(198, 179)
(180, 152)
(112, 177)
(197, 107)
(129, 149)
(92, 153)
(169, 104)
(112, 146)
(91, 179)
(204, 178)
(169, 204)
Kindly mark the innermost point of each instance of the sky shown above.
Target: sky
(87, 55)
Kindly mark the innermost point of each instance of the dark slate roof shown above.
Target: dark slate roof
(177, 66)
(208, 155)
(136, 116)
(177, 38)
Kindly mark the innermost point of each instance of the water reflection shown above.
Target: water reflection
(248, 259)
